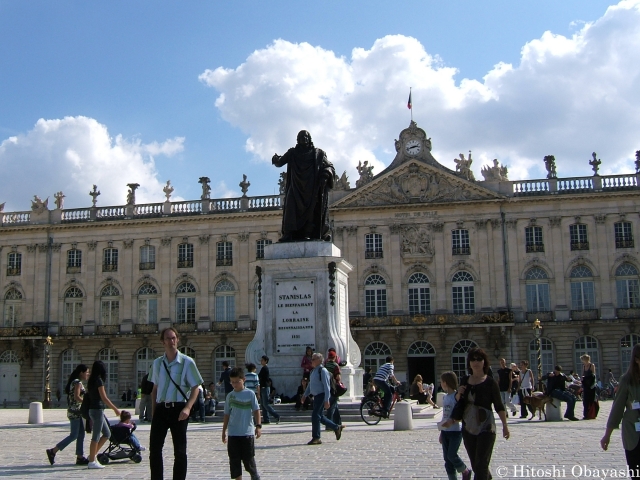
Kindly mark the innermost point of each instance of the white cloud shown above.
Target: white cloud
(72, 154)
(568, 97)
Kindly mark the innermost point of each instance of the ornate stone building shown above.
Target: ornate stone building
(441, 262)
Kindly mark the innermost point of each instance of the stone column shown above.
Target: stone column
(441, 259)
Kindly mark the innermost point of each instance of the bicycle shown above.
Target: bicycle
(371, 406)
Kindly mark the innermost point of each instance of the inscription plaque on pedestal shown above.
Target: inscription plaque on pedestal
(295, 315)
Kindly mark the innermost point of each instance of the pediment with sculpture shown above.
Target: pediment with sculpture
(416, 182)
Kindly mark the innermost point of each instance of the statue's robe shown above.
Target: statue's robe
(306, 207)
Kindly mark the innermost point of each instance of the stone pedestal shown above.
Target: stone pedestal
(35, 413)
(304, 301)
(553, 411)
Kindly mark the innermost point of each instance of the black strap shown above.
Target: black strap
(172, 381)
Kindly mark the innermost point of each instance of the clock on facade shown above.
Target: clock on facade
(413, 147)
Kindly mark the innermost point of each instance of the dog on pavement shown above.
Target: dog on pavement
(537, 401)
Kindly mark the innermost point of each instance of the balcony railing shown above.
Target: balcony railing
(430, 319)
(224, 261)
(107, 329)
(620, 182)
(461, 251)
(147, 265)
(542, 316)
(185, 263)
(575, 185)
(145, 328)
(13, 272)
(535, 247)
(186, 327)
(70, 331)
(109, 267)
(73, 269)
(579, 245)
(589, 314)
(27, 331)
(373, 254)
(626, 243)
(628, 312)
(530, 187)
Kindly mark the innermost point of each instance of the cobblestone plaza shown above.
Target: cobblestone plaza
(363, 452)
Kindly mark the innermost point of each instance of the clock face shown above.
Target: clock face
(413, 147)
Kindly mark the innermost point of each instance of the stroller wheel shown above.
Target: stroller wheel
(102, 458)
(137, 458)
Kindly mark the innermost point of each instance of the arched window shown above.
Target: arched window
(186, 303)
(582, 292)
(188, 351)
(375, 355)
(537, 288)
(144, 358)
(109, 305)
(421, 349)
(147, 304)
(419, 294)
(73, 307)
(225, 301)
(70, 359)
(8, 356)
(546, 351)
(587, 345)
(463, 293)
(459, 356)
(626, 346)
(375, 296)
(110, 358)
(627, 286)
(12, 308)
(221, 354)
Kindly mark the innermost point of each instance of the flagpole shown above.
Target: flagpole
(410, 104)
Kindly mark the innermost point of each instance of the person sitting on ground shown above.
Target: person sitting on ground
(419, 393)
(273, 394)
(125, 421)
(211, 400)
(298, 398)
(556, 386)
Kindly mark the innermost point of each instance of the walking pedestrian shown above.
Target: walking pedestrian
(98, 399)
(265, 391)
(319, 387)
(505, 381)
(589, 402)
(526, 384)
(331, 364)
(242, 418)
(224, 378)
(145, 399)
(172, 375)
(74, 389)
(451, 430)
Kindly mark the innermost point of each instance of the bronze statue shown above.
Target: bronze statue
(306, 197)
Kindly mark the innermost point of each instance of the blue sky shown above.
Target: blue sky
(150, 91)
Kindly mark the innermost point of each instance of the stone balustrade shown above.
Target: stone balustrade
(431, 319)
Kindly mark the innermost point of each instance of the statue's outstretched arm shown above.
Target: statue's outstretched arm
(279, 161)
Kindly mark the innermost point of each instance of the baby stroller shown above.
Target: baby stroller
(120, 446)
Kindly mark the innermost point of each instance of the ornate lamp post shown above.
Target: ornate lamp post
(537, 331)
(46, 403)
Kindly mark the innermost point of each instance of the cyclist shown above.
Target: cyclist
(382, 376)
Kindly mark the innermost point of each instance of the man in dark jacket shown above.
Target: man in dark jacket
(556, 386)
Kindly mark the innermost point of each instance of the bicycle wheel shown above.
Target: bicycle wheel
(365, 412)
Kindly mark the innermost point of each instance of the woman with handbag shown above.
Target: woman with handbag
(623, 411)
(75, 391)
(98, 399)
(476, 395)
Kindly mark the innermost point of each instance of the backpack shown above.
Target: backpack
(336, 389)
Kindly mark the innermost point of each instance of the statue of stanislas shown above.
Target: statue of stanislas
(306, 198)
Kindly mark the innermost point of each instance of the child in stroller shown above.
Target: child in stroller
(123, 443)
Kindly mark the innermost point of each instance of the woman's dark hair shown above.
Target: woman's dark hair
(633, 372)
(98, 370)
(75, 374)
(475, 353)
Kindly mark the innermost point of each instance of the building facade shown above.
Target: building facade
(442, 262)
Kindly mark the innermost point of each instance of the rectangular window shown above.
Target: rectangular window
(224, 255)
(110, 310)
(74, 260)
(147, 257)
(375, 302)
(148, 311)
(185, 255)
(260, 244)
(110, 261)
(14, 264)
(460, 242)
(419, 301)
(225, 308)
(624, 237)
(72, 313)
(463, 300)
(578, 236)
(12, 314)
(186, 309)
(533, 239)
(537, 297)
(582, 296)
(628, 293)
(373, 245)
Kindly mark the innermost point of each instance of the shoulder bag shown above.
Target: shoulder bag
(177, 386)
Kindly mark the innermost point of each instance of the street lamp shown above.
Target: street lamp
(47, 367)
(537, 331)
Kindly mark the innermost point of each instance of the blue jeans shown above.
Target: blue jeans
(135, 443)
(100, 424)
(264, 403)
(77, 434)
(452, 461)
(568, 398)
(384, 386)
(333, 413)
(317, 417)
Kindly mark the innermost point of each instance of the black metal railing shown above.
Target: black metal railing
(461, 251)
(535, 247)
(147, 265)
(71, 331)
(373, 254)
(633, 312)
(185, 263)
(107, 329)
(26, 331)
(626, 243)
(579, 245)
(430, 319)
(145, 328)
(542, 316)
(13, 272)
(224, 261)
(73, 269)
(109, 267)
(588, 314)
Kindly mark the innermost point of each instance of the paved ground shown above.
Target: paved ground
(364, 452)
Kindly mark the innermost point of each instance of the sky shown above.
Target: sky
(118, 92)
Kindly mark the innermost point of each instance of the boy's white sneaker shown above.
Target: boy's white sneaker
(95, 464)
